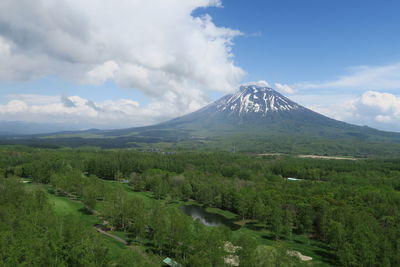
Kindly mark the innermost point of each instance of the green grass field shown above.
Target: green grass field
(67, 207)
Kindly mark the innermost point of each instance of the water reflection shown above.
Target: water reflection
(207, 218)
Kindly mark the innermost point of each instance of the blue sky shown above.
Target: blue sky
(340, 58)
(311, 40)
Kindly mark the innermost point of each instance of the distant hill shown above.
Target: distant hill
(13, 128)
(254, 119)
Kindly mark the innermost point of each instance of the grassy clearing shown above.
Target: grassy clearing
(66, 207)
(227, 214)
(309, 247)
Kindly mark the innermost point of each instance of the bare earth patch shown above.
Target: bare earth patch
(325, 157)
(310, 156)
(297, 254)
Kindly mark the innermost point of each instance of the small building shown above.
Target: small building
(171, 262)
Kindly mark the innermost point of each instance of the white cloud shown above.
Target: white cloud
(5, 47)
(284, 88)
(362, 78)
(156, 46)
(120, 113)
(34, 99)
(375, 109)
(259, 83)
(384, 119)
(102, 73)
(14, 107)
(375, 105)
(382, 102)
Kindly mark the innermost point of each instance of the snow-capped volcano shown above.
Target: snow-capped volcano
(255, 99)
(254, 119)
(256, 104)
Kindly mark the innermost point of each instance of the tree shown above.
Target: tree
(138, 217)
(89, 198)
(246, 247)
(159, 227)
(288, 221)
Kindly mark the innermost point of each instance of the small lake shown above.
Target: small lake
(208, 218)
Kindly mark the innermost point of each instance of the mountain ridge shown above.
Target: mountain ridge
(262, 105)
(253, 119)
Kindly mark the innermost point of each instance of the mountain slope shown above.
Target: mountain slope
(14, 128)
(254, 119)
(254, 109)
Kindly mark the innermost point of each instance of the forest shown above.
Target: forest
(348, 207)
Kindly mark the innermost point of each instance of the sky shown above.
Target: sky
(123, 63)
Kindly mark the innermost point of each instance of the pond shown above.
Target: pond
(208, 218)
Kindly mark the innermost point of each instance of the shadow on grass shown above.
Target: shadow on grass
(85, 211)
(273, 237)
(323, 246)
(149, 245)
(298, 241)
(253, 226)
(327, 257)
(320, 249)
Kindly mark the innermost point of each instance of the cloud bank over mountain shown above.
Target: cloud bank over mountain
(155, 46)
(376, 109)
(84, 113)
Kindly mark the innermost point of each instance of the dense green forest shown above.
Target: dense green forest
(174, 140)
(351, 207)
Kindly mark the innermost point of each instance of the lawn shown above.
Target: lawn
(66, 207)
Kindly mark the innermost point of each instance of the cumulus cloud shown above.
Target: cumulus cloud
(385, 77)
(77, 110)
(34, 99)
(378, 107)
(14, 107)
(156, 46)
(259, 83)
(381, 102)
(284, 88)
(375, 109)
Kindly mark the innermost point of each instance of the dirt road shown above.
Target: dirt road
(112, 236)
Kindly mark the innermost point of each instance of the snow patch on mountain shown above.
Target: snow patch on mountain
(253, 98)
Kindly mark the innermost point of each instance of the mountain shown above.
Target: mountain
(254, 119)
(16, 128)
(252, 102)
(251, 105)
(262, 110)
